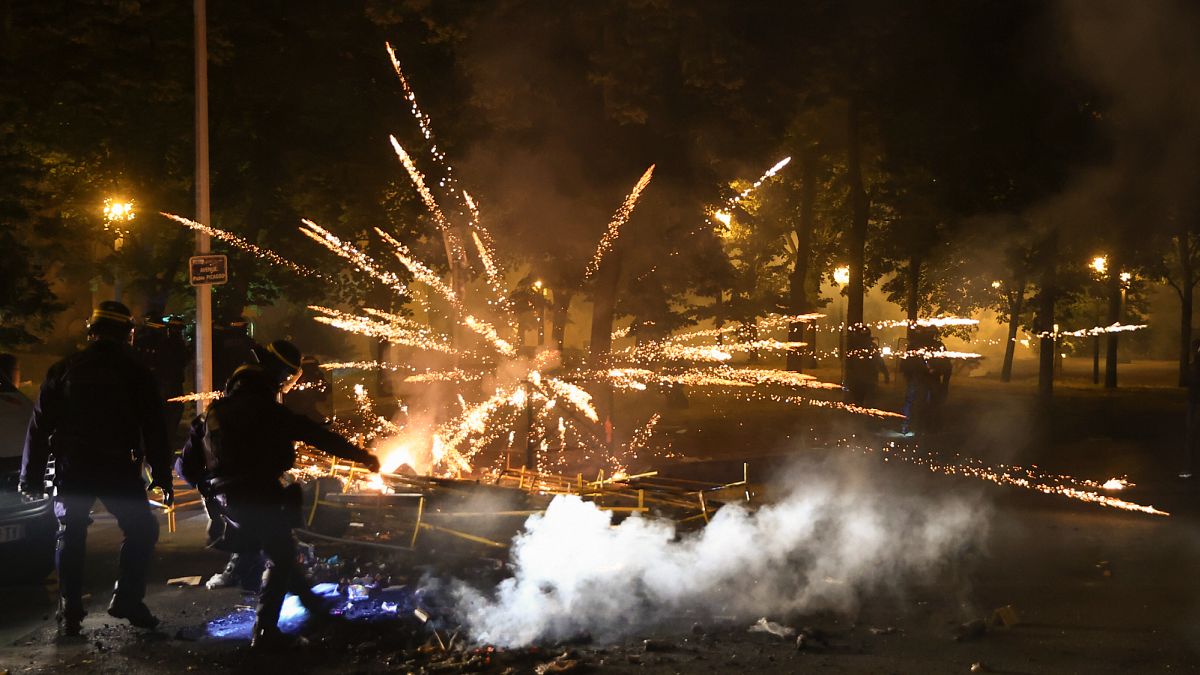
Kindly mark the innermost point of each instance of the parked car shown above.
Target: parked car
(27, 527)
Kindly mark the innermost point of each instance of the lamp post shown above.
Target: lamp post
(841, 277)
(1099, 266)
(203, 212)
(541, 290)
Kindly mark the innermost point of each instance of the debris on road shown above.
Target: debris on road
(970, 630)
(1005, 617)
(778, 630)
(185, 581)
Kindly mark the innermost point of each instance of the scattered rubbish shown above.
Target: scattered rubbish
(421, 615)
(1005, 616)
(657, 645)
(778, 630)
(978, 667)
(811, 638)
(970, 630)
(564, 663)
(185, 581)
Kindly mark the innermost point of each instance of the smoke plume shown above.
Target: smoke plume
(833, 537)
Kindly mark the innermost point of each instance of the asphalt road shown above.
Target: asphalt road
(1096, 591)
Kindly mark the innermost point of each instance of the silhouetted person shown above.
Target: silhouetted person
(1192, 448)
(232, 348)
(161, 347)
(98, 411)
(918, 378)
(237, 454)
(881, 367)
(10, 373)
(940, 371)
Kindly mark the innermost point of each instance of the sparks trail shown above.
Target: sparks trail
(1092, 332)
(357, 258)
(1015, 476)
(197, 396)
(614, 225)
(770, 173)
(237, 242)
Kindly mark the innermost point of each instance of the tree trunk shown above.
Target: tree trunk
(912, 303)
(1185, 331)
(797, 293)
(604, 306)
(1045, 318)
(1116, 297)
(1016, 303)
(1185, 289)
(562, 306)
(856, 240)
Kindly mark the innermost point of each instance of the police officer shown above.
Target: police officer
(97, 410)
(239, 450)
(161, 348)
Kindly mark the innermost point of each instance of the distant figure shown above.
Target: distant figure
(232, 349)
(881, 367)
(1192, 448)
(10, 373)
(100, 415)
(918, 378)
(861, 366)
(161, 347)
(940, 371)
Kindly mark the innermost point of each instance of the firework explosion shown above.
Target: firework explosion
(535, 396)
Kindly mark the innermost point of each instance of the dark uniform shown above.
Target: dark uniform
(232, 348)
(237, 453)
(98, 410)
(163, 350)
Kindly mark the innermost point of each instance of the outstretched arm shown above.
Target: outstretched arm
(301, 428)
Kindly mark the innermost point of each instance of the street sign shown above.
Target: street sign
(208, 270)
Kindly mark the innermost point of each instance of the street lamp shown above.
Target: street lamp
(841, 277)
(1099, 265)
(541, 290)
(118, 214)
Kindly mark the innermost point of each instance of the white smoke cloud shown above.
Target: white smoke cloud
(823, 545)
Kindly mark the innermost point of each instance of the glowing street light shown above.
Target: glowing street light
(996, 284)
(1126, 277)
(1100, 264)
(723, 217)
(118, 210)
(118, 213)
(841, 275)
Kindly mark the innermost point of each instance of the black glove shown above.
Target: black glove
(371, 462)
(168, 490)
(32, 491)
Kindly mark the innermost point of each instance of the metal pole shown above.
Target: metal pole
(203, 212)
